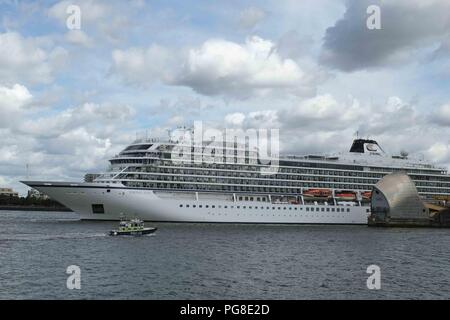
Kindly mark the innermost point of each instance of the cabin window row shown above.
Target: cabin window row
(308, 209)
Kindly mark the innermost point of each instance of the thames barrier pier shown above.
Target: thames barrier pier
(396, 203)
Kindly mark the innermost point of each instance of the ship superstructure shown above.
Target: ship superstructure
(231, 185)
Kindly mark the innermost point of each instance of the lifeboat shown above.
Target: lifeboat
(367, 195)
(345, 195)
(317, 193)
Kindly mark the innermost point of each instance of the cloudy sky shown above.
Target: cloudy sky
(72, 98)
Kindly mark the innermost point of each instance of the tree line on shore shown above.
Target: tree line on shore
(29, 201)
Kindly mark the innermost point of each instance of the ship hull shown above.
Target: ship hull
(93, 201)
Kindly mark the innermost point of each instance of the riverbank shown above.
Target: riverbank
(35, 208)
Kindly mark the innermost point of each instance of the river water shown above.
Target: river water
(218, 261)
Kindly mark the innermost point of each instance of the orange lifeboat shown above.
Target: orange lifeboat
(317, 193)
(345, 195)
(367, 195)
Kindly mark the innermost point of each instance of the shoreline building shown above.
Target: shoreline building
(8, 192)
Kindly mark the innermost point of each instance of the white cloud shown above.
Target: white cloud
(83, 116)
(63, 145)
(439, 152)
(235, 119)
(8, 153)
(100, 19)
(441, 116)
(78, 37)
(326, 124)
(217, 68)
(250, 17)
(22, 60)
(2, 181)
(222, 67)
(12, 101)
(91, 10)
(176, 121)
(322, 111)
(144, 66)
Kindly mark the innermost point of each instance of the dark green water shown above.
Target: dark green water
(218, 261)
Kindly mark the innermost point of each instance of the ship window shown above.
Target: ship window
(323, 209)
(317, 209)
(138, 147)
(307, 208)
(200, 206)
(332, 209)
(213, 206)
(181, 206)
(98, 209)
(187, 206)
(348, 209)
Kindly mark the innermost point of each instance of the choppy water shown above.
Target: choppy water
(218, 261)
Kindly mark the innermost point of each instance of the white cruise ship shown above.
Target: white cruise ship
(143, 181)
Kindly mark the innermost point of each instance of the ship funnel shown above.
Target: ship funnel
(366, 146)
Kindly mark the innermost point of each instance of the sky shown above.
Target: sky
(71, 98)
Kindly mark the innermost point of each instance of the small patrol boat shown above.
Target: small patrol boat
(134, 227)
